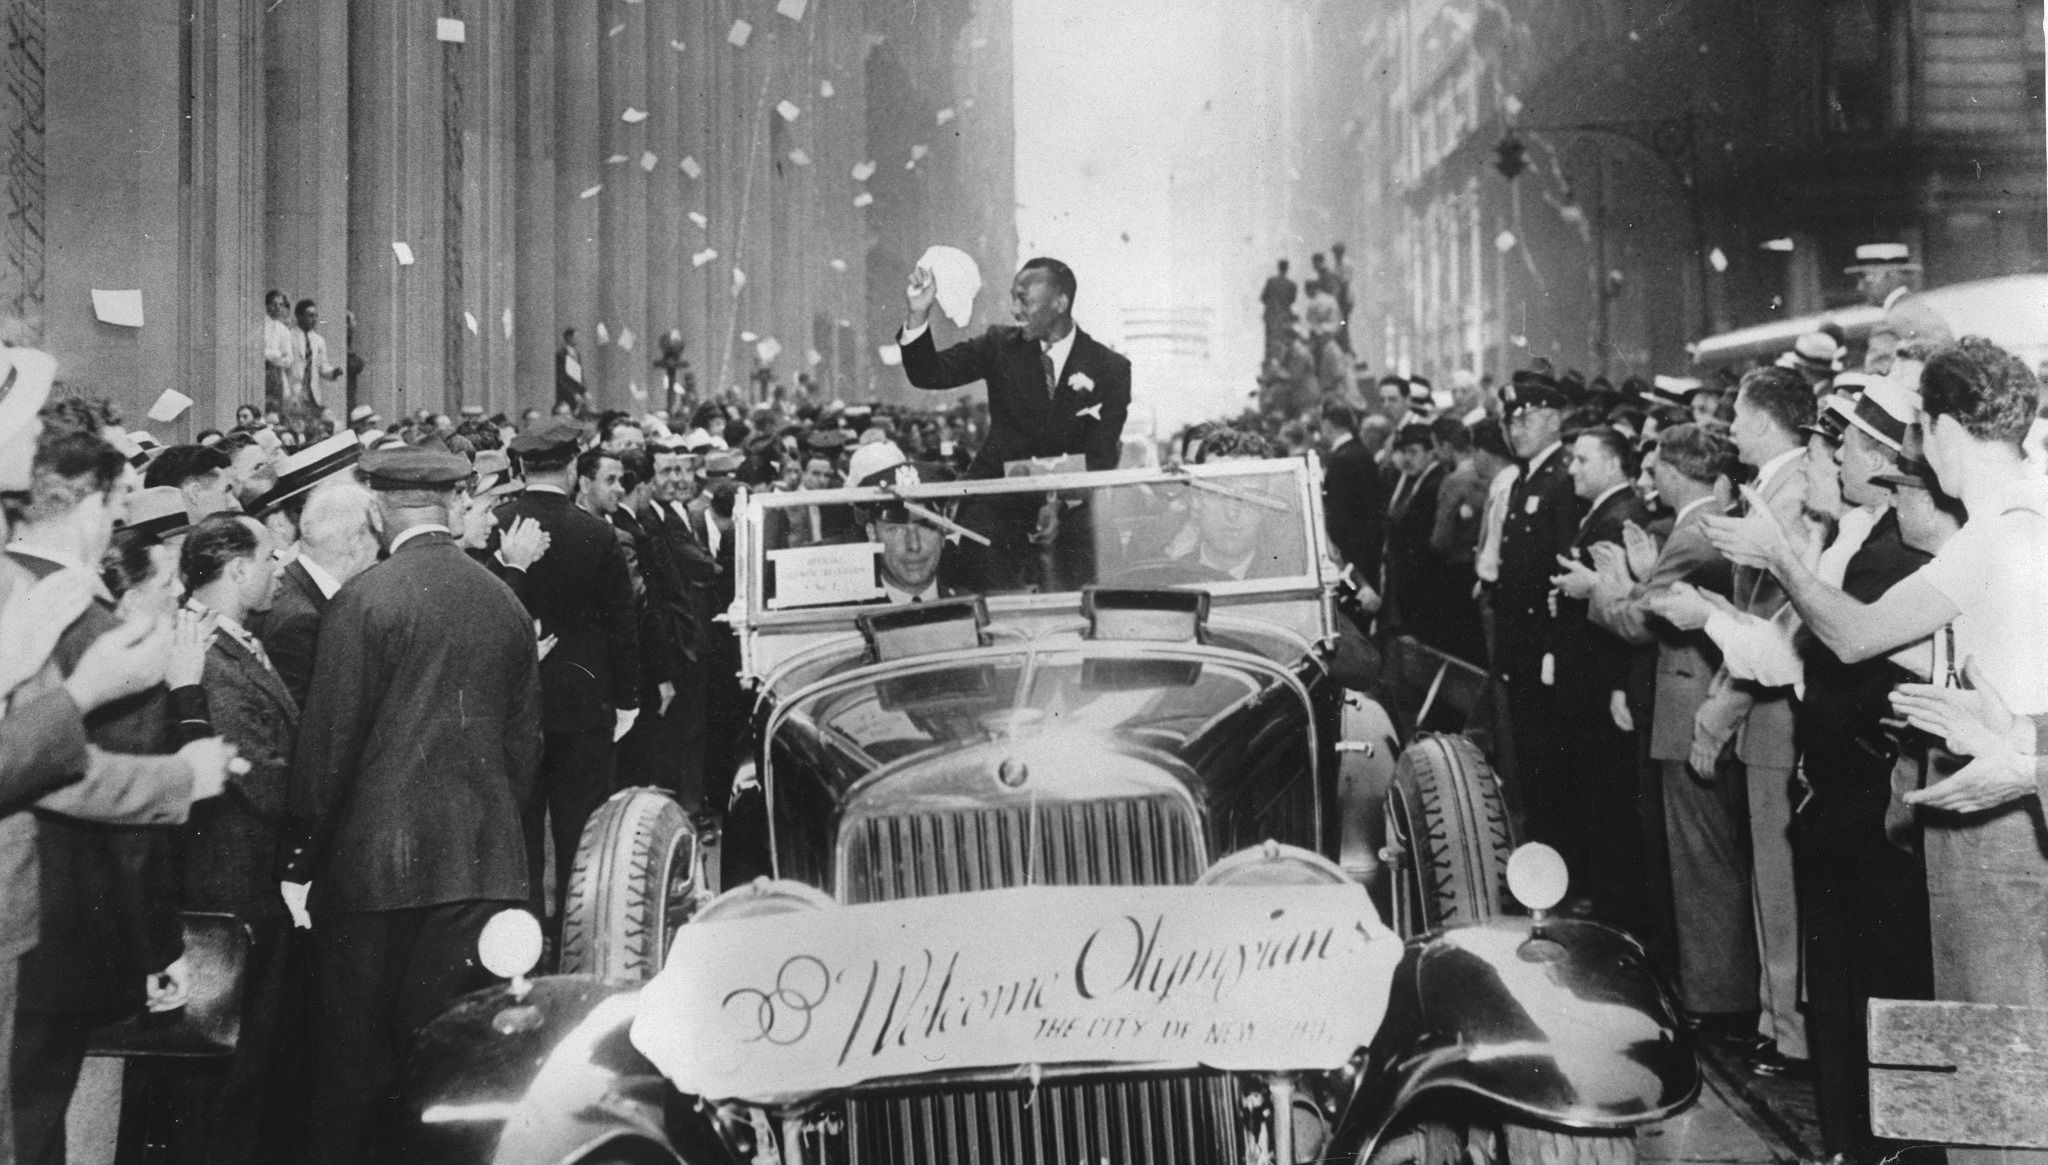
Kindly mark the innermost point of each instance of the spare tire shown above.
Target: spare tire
(630, 887)
(1447, 824)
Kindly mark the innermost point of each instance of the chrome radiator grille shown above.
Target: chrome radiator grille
(1158, 1121)
(1143, 841)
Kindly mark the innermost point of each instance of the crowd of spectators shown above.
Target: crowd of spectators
(214, 704)
(1769, 651)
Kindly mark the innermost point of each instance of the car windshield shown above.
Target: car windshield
(1230, 527)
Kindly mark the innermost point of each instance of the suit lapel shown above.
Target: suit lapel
(263, 676)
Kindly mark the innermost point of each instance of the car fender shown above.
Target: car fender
(548, 1076)
(1367, 755)
(1561, 1023)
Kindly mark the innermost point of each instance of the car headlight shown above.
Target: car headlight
(510, 947)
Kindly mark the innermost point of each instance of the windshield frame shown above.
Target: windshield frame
(750, 613)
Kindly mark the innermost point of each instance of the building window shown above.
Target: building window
(1858, 55)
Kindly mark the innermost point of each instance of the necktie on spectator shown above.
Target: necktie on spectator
(308, 386)
(1045, 364)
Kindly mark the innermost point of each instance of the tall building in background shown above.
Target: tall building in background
(467, 178)
(1663, 146)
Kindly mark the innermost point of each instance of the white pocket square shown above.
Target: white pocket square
(1094, 410)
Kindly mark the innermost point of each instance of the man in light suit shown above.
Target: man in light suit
(1772, 406)
(1701, 825)
(1052, 389)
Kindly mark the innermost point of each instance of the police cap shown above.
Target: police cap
(550, 439)
(413, 467)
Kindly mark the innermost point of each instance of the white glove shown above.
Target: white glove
(295, 894)
(624, 724)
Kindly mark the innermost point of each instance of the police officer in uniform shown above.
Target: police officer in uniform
(580, 592)
(1543, 516)
(417, 748)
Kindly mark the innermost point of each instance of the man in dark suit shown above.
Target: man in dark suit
(1591, 816)
(335, 545)
(417, 749)
(1542, 519)
(1412, 578)
(581, 593)
(1354, 503)
(1052, 389)
(246, 1108)
(679, 570)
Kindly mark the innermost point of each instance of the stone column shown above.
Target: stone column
(578, 167)
(484, 207)
(396, 180)
(667, 229)
(141, 97)
(622, 234)
(305, 105)
(534, 328)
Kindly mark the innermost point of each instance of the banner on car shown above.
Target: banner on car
(1260, 979)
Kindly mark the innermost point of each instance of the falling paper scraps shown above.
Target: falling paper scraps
(169, 406)
(741, 30)
(120, 308)
(689, 166)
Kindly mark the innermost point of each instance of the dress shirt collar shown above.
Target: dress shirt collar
(416, 531)
(1609, 492)
(321, 578)
(1689, 507)
(899, 596)
(65, 561)
(1768, 472)
(1342, 440)
(1059, 350)
(224, 622)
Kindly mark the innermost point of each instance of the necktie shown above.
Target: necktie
(309, 364)
(1045, 365)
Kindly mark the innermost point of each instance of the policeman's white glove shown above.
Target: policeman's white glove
(295, 894)
(624, 723)
(1617, 711)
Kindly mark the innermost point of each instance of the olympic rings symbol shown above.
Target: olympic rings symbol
(782, 1014)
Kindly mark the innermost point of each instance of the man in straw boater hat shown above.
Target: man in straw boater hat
(417, 749)
(322, 512)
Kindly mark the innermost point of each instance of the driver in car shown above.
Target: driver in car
(913, 547)
(1221, 542)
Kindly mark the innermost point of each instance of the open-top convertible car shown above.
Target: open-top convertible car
(1073, 846)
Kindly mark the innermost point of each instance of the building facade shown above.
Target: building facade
(1666, 145)
(618, 167)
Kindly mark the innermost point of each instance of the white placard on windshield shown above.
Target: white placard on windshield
(828, 575)
(1264, 979)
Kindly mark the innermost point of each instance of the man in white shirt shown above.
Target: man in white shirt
(1987, 873)
(277, 349)
(310, 365)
